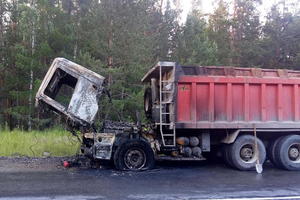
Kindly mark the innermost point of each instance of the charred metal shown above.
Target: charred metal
(87, 87)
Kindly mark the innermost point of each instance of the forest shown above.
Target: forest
(123, 39)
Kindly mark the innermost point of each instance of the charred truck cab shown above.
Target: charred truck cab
(82, 89)
(243, 113)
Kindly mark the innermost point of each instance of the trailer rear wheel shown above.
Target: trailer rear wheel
(243, 154)
(271, 152)
(287, 152)
(134, 155)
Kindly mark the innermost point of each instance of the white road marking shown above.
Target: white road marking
(199, 197)
(259, 198)
(148, 197)
(55, 198)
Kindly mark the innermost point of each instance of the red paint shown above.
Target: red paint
(295, 102)
(255, 103)
(211, 106)
(205, 100)
(246, 101)
(202, 102)
(271, 103)
(193, 102)
(184, 102)
(229, 102)
(220, 110)
(287, 109)
(238, 109)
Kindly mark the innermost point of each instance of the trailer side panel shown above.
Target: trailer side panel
(238, 102)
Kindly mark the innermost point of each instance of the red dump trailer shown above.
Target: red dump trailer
(224, 106)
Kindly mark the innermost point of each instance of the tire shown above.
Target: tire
(271, 152)
(134, 155)
(287, 152)
(242, 153)
(225, 152)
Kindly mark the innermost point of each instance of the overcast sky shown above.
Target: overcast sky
(208, 6)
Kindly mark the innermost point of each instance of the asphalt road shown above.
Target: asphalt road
(43, 179)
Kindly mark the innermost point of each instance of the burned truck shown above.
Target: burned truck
(248, 115)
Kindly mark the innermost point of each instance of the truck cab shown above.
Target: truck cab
(73, 92)
(81, 88)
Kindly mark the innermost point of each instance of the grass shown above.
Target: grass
(35, 143)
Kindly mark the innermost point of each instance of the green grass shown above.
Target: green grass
(35, 143)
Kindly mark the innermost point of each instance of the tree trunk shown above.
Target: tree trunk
(33, 36)
(110, 45)
(1, 27)
(236, 35)
(77, 27)
(1, 53)
(30, 101)
(161, 6)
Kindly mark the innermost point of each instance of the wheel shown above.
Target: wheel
(271, 152)
(225, 155)
(287, 152)
(243, 155)
(134, 155)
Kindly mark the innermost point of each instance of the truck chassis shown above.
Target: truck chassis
(178, 129)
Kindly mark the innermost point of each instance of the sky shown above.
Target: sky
(208, 6)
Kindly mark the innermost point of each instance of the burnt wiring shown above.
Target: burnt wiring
(108, 94)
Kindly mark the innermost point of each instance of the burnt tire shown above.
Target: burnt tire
(243, 155)
(271, 152)
(134, 155)
(287, 152)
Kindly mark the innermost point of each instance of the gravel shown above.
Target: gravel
(15, 164)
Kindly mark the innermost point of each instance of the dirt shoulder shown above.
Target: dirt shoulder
(17, 164)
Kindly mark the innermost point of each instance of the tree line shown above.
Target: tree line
(122, 39)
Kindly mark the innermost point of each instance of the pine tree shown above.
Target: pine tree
(219, 32)
(194, 45)
(245, 33)
(281, 39)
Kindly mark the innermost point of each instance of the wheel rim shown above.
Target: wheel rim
(294, 153)
(248, 153)
(135, 158)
